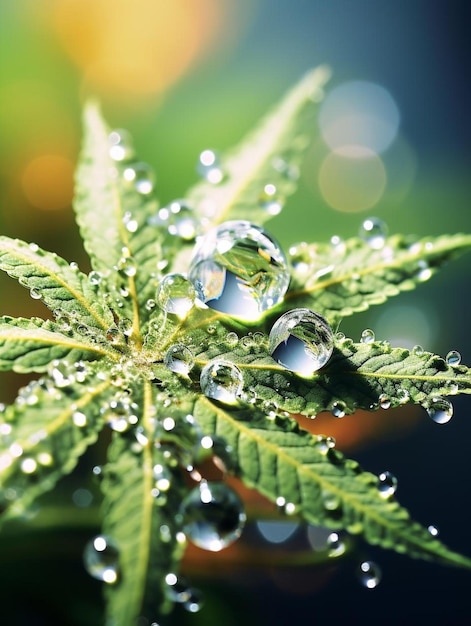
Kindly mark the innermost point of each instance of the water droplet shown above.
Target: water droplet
(402, 395)
(387, 484)
(222, 380)
(62, 373)
(79, 419)
(384, 401)
(374, 232)
(179, 219)
(95, 278)
(35, 294)
(418, 350)
(213, 516)
(209, 167)
(302, 341)
(335, 545)
(367, 336)
(331, 501)
(176, 294)
(270, 200)
(120, 413)
(338, 408)
(433, 530)
(424, 271)
(232, 339)
(440, 410)
(162, 477)
(127, 265)
(453, 358)
(28, 466)
(179, 359)
(369, 574)
(101, 559)
(239, 270)
(150, 304)
(141, 177)
(177, 588)
(121, 148)
(194, 602)
(324, 444)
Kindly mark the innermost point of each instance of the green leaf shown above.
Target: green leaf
(270, 155)
(338, 280)
(141, 522)
(42, 439)
(118, 235)
(29, 345)
(357, 376)
(282, 461)
(62, 287)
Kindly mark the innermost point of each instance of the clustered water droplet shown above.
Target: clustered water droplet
(212, 516)
(302, 341)
(238, 269)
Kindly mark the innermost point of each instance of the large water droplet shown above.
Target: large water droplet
(179, 359)
(387, 484)
(213, 516)
(222, 380)
(440, 410)
(369, 574)
(374, 232)
(141, 177)
(239, 270)
(367, 336)
(302, 341)
(209, 167)
(101, 559)
(176, 294)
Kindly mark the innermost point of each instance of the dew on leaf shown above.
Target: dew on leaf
(301, 341)
(179, 219)
(162, 477)
(418, 350)
(35, 294)
(453, 358)
(424, 272)
(270, 200)
(95, 278)
(324, 443)
(177, 588)
(120, 414)
(222, 380)
(176, 295)
(101, 559)
(402, 395)
(28, 466)
(194, 602)
(213, 516)
(232, 339)
(79, 419)
(121, 147)
(335, 545)
(369, 574)
(439, 409)
(209, 167)
(179, 359)
(367, 336)
(384, 401)
(387, 484)
(374, 232)
(62, 373)
(141, 176)
(238, 269)
(433, 530)
(338, 408)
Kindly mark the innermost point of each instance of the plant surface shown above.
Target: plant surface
(183, 355)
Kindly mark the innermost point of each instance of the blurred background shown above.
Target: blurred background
(391, 140)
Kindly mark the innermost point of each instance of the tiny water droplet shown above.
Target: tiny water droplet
(374, 232)
(141, 176)
(369, 574)
(95, 278)
(387, 484)
(120, 413)
(270, 200)
(367, 336)
(121, 147)
(28, 466)
(177, 588)
(433, 530)
(62, 373)
(402, 395)
(179, 359)
(424, 272)
(440, 410)
(209, 167)
(128, 266)
(418, 350)
(35, 294)
(453, 358)
(222, 380)
(180, 220)
(176, 295)
(194, 602)
(101, 559)
(338, 408)
(130, 223)
(302, 341)
(384, 401)
(79, 419)
(324, 444)
(335, 545)
(238, 269)
(150, 304)
(213, 516)
(232, 339)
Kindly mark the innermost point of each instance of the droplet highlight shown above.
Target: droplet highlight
(101, 559)
(176, 295)
(374, 232)
(222, 380)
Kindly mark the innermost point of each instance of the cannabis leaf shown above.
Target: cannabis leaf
(183, 343)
